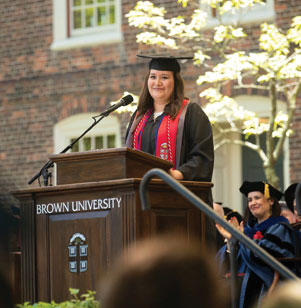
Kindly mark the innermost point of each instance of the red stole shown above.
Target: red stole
(166, 135)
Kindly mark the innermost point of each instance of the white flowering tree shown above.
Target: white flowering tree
(274, 68)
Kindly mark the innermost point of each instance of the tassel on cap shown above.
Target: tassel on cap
(266, 191)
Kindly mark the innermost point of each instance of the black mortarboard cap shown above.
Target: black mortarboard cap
(229, 213)
(164, 62)
(267, 189)
(289, 196)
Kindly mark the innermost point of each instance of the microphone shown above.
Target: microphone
(126, 100)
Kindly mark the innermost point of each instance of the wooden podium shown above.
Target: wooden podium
(72, 232)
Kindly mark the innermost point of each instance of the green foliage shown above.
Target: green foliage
(86, 300)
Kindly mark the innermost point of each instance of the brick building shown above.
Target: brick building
(59, 67)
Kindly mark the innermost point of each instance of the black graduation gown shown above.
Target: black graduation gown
(197, 153)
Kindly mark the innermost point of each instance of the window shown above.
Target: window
(79, 23)
(90, 14)
(106, 134)
(94, 143)
(256, 14)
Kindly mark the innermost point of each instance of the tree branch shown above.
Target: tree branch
(269, 140)
(251, 85)
(292, 97)
(223, 131)
(247, 144)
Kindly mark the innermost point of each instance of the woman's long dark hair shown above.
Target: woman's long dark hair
(251, 219)
(173, 107)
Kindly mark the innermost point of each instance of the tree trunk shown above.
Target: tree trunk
(271, 176)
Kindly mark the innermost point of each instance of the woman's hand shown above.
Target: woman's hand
(176, 174)
(234, 222)
(227, 235)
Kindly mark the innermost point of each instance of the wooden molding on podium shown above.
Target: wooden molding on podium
(101, 209)
(103, 165)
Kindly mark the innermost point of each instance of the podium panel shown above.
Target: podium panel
(73, 238)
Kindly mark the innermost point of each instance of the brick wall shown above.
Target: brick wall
(286, 10)
(39, 87)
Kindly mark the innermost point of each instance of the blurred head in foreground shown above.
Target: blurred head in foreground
(165, 272)
(7, 225)
(286, 295)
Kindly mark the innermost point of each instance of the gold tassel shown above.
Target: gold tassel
(266, 190)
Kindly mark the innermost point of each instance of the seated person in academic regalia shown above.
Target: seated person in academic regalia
(269, 230)
(226, 213)
(290, 199)
(287, 213)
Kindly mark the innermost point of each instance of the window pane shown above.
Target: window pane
(75, 147)
(112, 14)
(111, 141)
(89, 1)
(99, 142)
(77, 19)
(87, 144)
(89, 17)
(76, 2)
(101, 18)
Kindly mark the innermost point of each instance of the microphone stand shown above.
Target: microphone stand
(44, 171)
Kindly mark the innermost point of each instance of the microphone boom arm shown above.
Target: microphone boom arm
(44, 170)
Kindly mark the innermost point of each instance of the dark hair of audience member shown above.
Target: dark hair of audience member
(165, 273)
(285, 295)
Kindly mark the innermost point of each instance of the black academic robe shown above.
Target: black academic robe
(197, 153)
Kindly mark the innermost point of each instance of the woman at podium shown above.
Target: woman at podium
(166, 124)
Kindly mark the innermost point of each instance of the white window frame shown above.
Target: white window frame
(245, 16)
(107, 34)
(227, 174)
